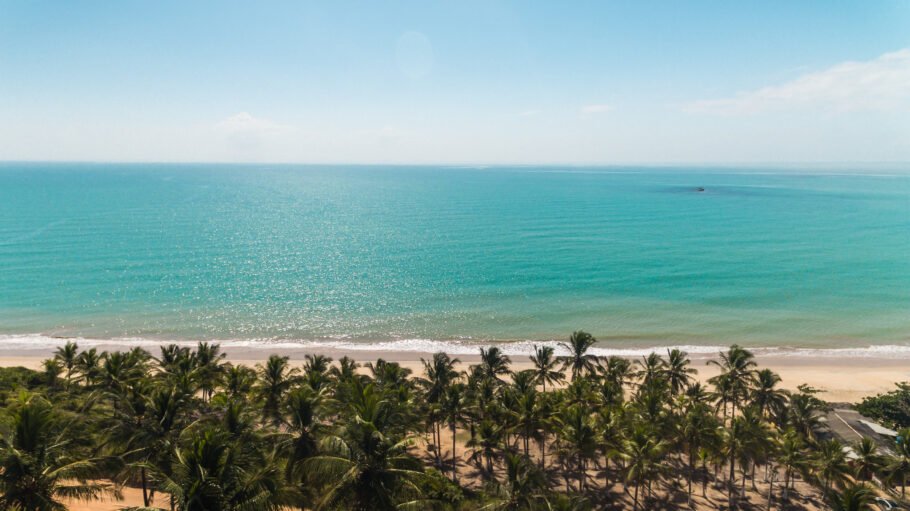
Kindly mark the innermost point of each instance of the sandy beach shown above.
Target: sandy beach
(843, 379)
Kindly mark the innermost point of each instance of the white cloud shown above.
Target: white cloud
(243, 122)
(882, 83)
(595, 109)
(529, 113)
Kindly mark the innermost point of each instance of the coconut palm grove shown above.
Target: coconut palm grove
(186, 430)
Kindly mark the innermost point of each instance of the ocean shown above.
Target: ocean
(426, 258)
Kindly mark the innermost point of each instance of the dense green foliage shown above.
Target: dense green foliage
(891, 408)
(194, 432)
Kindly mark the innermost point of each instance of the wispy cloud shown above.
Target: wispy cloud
(882, 83)
(595, 109)
(243, 122)
(529, 113)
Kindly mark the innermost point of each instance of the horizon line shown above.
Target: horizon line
(737, 163)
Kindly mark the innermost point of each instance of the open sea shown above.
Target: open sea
(427, 258)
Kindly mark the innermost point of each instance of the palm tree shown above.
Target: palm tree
(525, 487)
(439, 374)
(212, 474)
(88, 364)
(485, 446)
(396, 382)
(696, 393)
(146, 424)
(118, 369)
(209, 368)
(830, 463)
(770, 400)
(171, 355)
(452, 408)
(38, 465)
(857, 497)
(68, 355)
(579, 360)
(364, 468)
(52, 372)
(303, 427)
(345, 371)
(652, 370)
(316, 370)
(678, 372)
(732, 452)
(526, 412)
(737, 373)
(617, 370)
(276, 377)
(791, 456)
(867, 459)
(804, 415)
(642, 454)
(239, 381)
(755, 442)
(576, 430)
(493, 363)
(545, 367)
(897, 465)
(699, 429)
(737, 366)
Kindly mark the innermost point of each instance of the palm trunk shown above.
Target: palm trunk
(454, 463)
(785, 495)
(606, 474)
(527, 441)
(635, 499)
(691, 472)
(145, 494)
(732, 481)
(543, 451)
(704, 481)
(439, 436)
(770, 491)
(437, 432)
(742, 490)
(584, 472)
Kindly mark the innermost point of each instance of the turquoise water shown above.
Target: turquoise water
(366, 254)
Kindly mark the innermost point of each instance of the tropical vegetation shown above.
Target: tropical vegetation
(187, 430)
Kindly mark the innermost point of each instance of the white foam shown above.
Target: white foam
(41, 342)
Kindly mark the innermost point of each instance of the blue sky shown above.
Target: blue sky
(455, 82)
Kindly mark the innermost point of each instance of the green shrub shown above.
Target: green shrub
(891, 408)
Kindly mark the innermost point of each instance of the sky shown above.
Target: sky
(455, 82)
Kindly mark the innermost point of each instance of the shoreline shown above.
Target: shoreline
(38, 342)
(842, 378)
